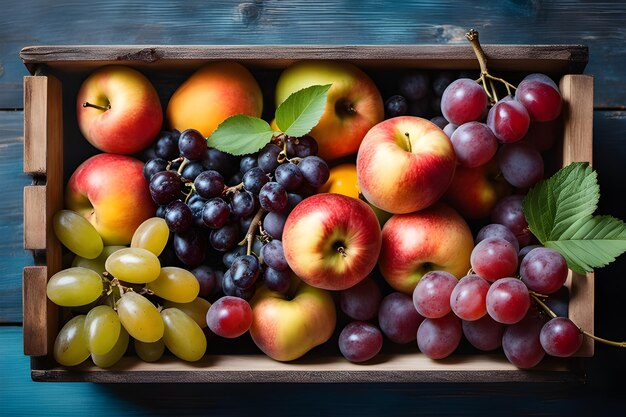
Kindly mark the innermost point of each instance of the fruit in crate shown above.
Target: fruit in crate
(110, 191)
(118, 110)
(332, 241)
(353, 104)
(212, 94)
(405, 164)
(285, 327)
(413, 244)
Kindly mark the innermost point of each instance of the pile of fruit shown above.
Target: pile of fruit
(346, 208)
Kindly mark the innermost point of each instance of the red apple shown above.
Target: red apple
(285, 328)
(353, 103)
(213, 93)
(436, 238)
(119, 110)
(112, 193)
(405, 164)
(331, 241)
(475, 191)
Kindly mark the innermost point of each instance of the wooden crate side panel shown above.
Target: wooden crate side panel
(577, 93)
(40, 315)
(43, 156)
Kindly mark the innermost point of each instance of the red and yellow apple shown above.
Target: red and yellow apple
(118, 110)
(285, 328)
(474, 192)
(405, 164)
(111, 192)
(331, 241)
(210, 95)
(436, 238)
(353, 103)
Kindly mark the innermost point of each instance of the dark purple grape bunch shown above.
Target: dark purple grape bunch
(222, 211)
(274, 181)
(418, 93)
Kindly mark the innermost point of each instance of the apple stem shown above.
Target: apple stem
(486, 79)
(254, 224)
(342, 251)
(552, 314)
(408, 141)
(95, 106)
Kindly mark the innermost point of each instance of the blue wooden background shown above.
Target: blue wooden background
(600, 25)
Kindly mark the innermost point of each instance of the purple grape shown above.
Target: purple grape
(360, 341)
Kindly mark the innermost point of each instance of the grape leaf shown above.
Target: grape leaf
(240, 135)
(302, 110)
(559, 212)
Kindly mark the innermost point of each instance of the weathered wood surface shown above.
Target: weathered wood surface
(40, 22)
(600, 25)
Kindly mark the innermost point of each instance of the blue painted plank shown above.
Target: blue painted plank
(12, 181)
(597, 24)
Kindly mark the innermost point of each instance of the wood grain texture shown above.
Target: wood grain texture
(12, 181)
(224, 22)
(577, 114)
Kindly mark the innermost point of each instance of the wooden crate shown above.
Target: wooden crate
(53, 147)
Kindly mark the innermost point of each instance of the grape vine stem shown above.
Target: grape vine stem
(552, 314)
(254, 225)
(486, 79)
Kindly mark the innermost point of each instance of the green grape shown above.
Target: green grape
(175, 284)
(77, 234)
(102, 329)
(111, 357)
(70, 346)
(74, 287)
(96, 264)
(183, 337)
(150, 352)
(134, 265)
(196, 309)
(140, 317)
(151, 235)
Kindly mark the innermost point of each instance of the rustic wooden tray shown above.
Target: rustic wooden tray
(53, 146)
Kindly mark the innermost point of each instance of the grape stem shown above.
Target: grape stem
(552, 314)
(254, 225)
(233, 189)
(182, 165)
(486, 79)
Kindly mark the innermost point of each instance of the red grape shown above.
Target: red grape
(438, 338)
(509, 120)
(540, 96)
(484, 334)
(494, 258)
(497, 230)
(467, 299)
(508, 211)
(362, 300)
(544, 270)
(462, 101)
(521, 343)
(508, 300)
(560, 337)
(431, 296)
(521, 164)
(474, 144)
(398, 318)
(360, 341)
(229, 317)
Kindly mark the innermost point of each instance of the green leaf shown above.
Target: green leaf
(559, 212)
(240, 135)
(302, 110)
